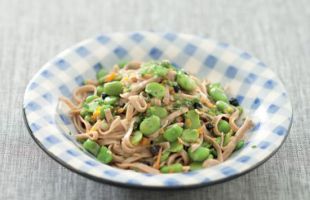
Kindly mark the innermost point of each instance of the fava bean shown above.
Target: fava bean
(195, 166)
(190, 135)
(90, 98)
(185, 82)
(103, 109)
(192, 120)
(101, 73)
(150, 125)
(156, 90)
(91, 146)
(105, 155)
(200, 154)
(99, 90)
(164, 156)
(224, 107)
(113, 88)
(136, 138)
(227, 138)
(217, 94)
(111, 100)
(172, 168)
(84, 112)
(176, 147)
(173, 132)
(223, 126)
(161, 112)
(214, 85)
(239, 145)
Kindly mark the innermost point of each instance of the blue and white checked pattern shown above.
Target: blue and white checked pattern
(257, 88)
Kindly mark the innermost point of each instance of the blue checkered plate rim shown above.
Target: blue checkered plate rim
(256, 87)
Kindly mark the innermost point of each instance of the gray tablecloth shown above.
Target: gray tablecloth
(33, 31)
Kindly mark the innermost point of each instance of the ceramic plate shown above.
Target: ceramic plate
(257, 88)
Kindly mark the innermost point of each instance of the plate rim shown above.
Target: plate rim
(163, 187)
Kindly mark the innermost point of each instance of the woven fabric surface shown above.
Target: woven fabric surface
(34, 31)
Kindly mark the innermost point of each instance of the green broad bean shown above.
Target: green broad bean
(103, 109)
(99, 90)
(218, 140)
(150, 125)
(214, 85)
(224, 107)
(88, 118)
(213, 152)
(104, 126)
(111, 100)
(192, 120)
(172, 168)
(173, 132)
(206, 144)
(153, 69)
(240, 110)
(122, 64)
(227, 138)
(105, 155)
(210, 157)
(90, 98)
(239, 145)
(190, 135)
(176, 147)
(84, 112)
(164, 156)
(136, 138)
(223, 126)
(200, 154)
(91, 146)
(156, 90)
(195, 166)
(101, 74)
(185, 82)
(161, 112)
(113, 88)
(218, 95)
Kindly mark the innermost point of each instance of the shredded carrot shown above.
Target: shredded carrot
(96, 113)
(145, 142)
(110, 77)
(207, 102)
(147, 76)
(200, 130)
(156, 165)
